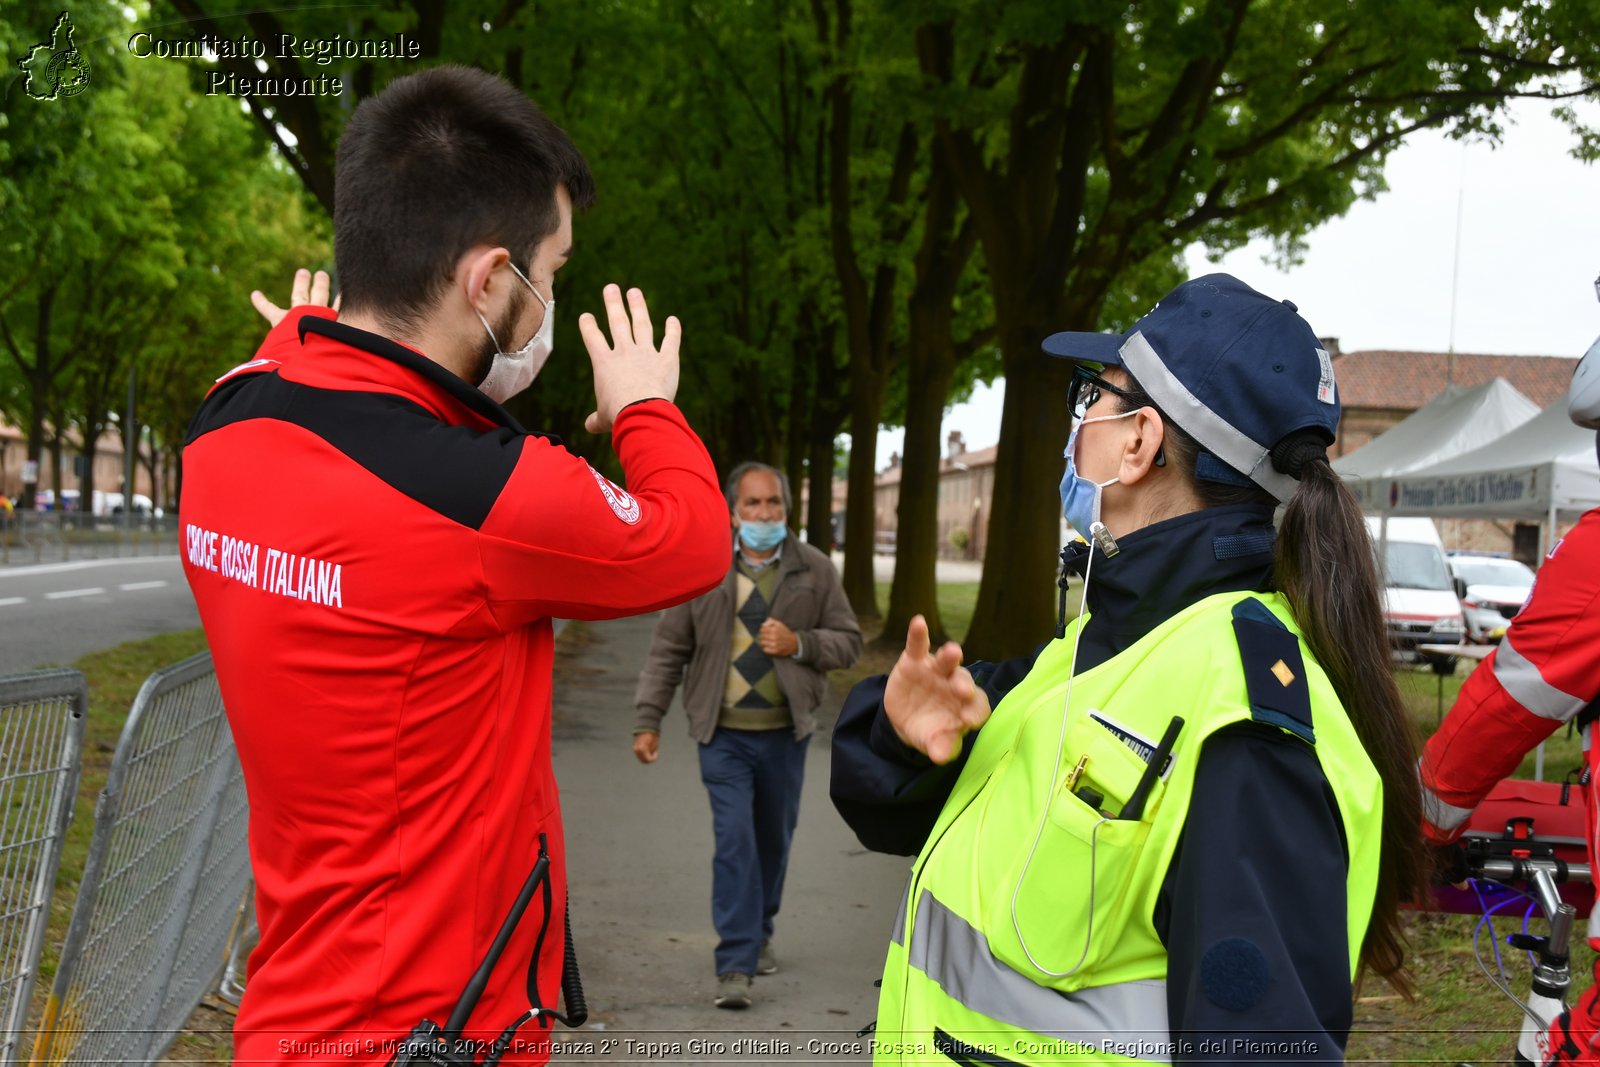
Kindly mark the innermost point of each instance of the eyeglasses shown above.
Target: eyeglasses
(1085, 390)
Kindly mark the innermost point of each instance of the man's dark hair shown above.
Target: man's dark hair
(438, 162)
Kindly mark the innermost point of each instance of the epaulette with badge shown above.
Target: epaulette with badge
(1273, 670)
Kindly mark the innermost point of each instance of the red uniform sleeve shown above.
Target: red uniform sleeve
(1546, 670)
(563, 541)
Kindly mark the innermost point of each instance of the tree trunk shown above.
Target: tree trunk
(177, 480)
(804, 396)
(55, 468)
(35, 449)
(91, 448)
(819, 504)
(931, 362)
(1016, 599)
(916, 550)
(821, 429)
(794, 461)
(150, 465)
(860, 514)
(40, 377)
(868, 308)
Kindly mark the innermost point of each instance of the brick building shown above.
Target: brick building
(966, 484)
(1379, 387)
(108, 463)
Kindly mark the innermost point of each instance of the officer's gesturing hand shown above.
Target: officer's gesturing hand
(931, 699)
(630, 368)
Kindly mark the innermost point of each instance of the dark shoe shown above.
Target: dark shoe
(768, 962)
(733, 990)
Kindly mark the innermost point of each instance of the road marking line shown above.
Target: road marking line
(131, 586)
(65, 593)
(22, 570)
(7, 601)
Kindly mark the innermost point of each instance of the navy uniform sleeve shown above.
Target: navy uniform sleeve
(889, 793)
(1253, 908)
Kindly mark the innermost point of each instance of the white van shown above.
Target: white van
(1421, 605)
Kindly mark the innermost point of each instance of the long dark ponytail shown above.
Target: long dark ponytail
(1326, 568)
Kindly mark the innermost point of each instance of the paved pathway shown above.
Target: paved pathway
(640, 843)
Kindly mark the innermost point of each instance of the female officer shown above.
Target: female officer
(1189, 820)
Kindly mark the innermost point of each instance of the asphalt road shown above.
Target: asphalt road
(639, 842)
(53, 613)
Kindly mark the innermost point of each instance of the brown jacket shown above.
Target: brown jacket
(693, 643)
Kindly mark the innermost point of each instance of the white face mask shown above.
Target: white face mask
(511, 373)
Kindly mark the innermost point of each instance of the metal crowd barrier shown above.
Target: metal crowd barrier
(161, 889)
(35, 536)
(244, 938)
(42, 716)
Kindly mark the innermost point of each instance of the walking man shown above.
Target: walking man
(753, 656)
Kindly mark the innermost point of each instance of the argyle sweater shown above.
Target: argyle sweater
(752, 700)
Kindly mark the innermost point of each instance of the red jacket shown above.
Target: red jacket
(377, 551)
(1545, 672)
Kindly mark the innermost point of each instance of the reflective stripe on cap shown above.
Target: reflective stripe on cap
(1214, 433)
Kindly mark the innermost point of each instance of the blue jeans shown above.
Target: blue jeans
(753, 778)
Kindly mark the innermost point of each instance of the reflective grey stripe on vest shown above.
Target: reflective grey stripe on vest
(946, 948)
(1527, 686)
(899, 936)
(1213, 431)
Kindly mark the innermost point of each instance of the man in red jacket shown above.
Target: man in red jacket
(1545, 674)
(377, 550)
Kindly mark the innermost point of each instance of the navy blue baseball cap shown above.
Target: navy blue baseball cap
(1236, 370)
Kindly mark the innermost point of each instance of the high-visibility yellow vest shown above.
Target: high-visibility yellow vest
(1026, 935)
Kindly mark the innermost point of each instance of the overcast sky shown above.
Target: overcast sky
(1380, 277)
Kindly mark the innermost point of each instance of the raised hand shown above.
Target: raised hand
(629, 367)
(931, 700)
(308, 288)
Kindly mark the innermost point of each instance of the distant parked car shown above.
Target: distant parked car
(142, 505)
(1420, 604)
(1497, 587)
(45, 500)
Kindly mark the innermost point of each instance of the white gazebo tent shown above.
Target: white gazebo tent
(1458, 420)
(1544, 469)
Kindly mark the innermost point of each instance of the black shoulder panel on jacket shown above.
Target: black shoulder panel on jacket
(456, 471)
(1273, 670)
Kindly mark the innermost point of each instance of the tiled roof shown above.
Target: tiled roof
(978, 457)
(1407, 380)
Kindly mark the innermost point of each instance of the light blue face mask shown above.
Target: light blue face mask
(762, 536)
(1080, 497)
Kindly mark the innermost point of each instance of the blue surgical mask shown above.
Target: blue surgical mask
(1080, 497)
(762, 536)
